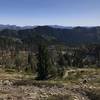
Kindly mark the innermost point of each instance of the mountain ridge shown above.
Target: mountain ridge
(15, 27)
(54, 35)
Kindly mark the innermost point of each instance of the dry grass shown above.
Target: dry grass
(11, 74)
(71, 82)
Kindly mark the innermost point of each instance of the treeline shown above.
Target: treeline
(50, 61)
(49, 65)
(24, 50)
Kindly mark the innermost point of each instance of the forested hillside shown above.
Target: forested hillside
(30, 37)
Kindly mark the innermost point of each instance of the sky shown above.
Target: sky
(50, 12)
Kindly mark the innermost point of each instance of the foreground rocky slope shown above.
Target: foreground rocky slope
(43, 92)
(18, 87)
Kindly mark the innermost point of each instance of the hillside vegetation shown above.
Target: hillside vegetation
(48, 63)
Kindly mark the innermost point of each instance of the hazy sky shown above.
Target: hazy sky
(50, 12)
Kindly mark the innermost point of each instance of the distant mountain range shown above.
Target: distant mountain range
(14, 27)
(52, 34)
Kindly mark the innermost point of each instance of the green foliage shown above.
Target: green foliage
(61, 64)
(18, 62)
(32, 62)
(61, 60)
(44, 66)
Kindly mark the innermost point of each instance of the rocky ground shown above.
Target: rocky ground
(13, 87)
(10, 92)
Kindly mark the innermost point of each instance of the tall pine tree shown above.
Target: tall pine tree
(44, 63)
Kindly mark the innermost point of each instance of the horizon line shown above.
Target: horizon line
(52, 25)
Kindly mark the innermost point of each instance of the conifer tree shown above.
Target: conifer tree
(44, 63)
(31, 62)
